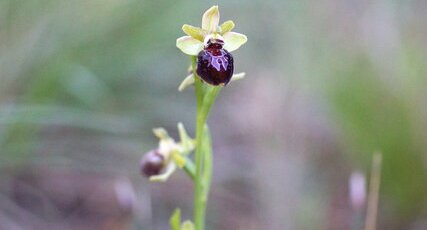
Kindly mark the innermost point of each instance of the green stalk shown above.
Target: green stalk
(207, 149)
(205, 97)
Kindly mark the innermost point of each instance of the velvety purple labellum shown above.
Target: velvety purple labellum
(215, 65)
(152, 163)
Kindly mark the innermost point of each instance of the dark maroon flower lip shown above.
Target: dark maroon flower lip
(215, 65)
(152, 163)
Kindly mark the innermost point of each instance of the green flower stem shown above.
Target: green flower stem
(205, 97)
(198, 84)
(207, 149)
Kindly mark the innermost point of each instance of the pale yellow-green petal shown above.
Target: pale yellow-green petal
(238, 76)
(170, 169)
(194, 32)
(161, 133)
(189, 80)
(210, 20)
(189, 45)
(226, 26)
(233, 40)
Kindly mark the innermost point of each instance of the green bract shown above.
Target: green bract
(197, 37)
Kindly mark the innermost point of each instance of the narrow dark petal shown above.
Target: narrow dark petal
(215, 65)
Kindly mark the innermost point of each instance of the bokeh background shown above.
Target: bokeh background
(329, 82)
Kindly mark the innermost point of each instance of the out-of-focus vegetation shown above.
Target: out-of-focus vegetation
(328, 83)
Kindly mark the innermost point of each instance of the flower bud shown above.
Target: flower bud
(152, 163)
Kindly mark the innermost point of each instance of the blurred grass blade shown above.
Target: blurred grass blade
(66, 116)
(374, 189)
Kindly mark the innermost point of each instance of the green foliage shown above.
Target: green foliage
(376, 118)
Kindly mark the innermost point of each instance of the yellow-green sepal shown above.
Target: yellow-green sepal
(210, 19)
(194, 32)
(233, 40)
(189, 45)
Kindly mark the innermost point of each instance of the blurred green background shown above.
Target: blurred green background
(82, 83)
